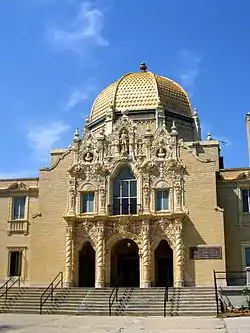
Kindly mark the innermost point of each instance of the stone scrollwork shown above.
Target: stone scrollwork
(72, 196)
(68, 264)
(146, 253)
(179, 280)
(100, 255)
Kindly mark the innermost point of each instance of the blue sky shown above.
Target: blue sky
(56, 55)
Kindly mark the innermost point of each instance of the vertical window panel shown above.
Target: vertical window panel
(18, 208)
(87, 202)
(245, 200)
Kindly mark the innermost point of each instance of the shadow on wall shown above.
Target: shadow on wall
(191, 238)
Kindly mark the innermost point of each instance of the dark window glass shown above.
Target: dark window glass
(19, 208)
(125, 206)
(247, 256)
(15, 263)
(161, 200)
(116, 188)
(124, 193)
(116, 207)
(133, 188)
(87, 202)
(133, 205)
(245, 200)
(125, 185)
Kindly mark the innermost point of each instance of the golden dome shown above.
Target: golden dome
(142, 91)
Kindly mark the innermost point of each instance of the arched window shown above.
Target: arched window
(125, 193)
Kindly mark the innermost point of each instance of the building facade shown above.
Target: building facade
(139, 196)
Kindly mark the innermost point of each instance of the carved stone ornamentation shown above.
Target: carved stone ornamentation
(146, 196)
(68, 264)
(124, 143)
(146, 253)
(179, 280)
(72, 197)
(100, 256)
(88, 157)
(102, 192)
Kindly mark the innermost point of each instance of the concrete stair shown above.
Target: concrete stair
(131, 301)
(27, 300)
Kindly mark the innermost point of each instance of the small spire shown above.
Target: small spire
(87, 121)
(148, 129)
(209, 137)
(76, 135)
(143, 67)
(174, 129)
(195, 113)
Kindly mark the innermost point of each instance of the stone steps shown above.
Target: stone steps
(131, 302)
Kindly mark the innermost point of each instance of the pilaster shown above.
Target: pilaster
(146, 254)
(179, 256)
(99, 281)
(68, 263)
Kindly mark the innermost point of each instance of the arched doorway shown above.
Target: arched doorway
(87, 266)
(125, 263)
(163, 265)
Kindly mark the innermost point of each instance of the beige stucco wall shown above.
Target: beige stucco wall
(47, 243)
(205, 225)
(237, 224)
(20, 241)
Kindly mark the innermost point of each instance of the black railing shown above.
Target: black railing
(232, 278)
(8, 285)
(49, 291)
(128, 209)
(165, 300)
(114, 293)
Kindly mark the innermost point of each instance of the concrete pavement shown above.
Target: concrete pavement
(67, 324)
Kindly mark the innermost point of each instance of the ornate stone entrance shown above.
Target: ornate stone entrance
(86, 266)
(153, 247)
(163, 258)
(125, 263)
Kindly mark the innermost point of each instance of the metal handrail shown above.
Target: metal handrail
(51, 293)
(115, 292)
(223, 277)
(165, 300)
(7, 288)
(216, 294)
(131, 209)
(228, 300)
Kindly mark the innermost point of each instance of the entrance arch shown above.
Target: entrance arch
(87, 266)
(163, 265)
(125, 263)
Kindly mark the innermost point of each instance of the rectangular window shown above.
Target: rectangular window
(245, 200)
(161, 200)
(87, 203)
(247, 256)
(15, 263)
(18, 208)
(125, 197)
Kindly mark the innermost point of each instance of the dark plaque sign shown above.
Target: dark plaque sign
(208, 252)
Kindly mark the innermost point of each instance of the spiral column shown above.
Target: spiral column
(68, 263)
(179, 255)
(99, 281)
(146, 254)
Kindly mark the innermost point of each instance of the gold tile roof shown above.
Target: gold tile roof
(142, 91)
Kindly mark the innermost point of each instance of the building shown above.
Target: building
(139, 195)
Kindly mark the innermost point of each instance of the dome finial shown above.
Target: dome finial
(143, 67)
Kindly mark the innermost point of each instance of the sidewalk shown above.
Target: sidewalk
(68, 324)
